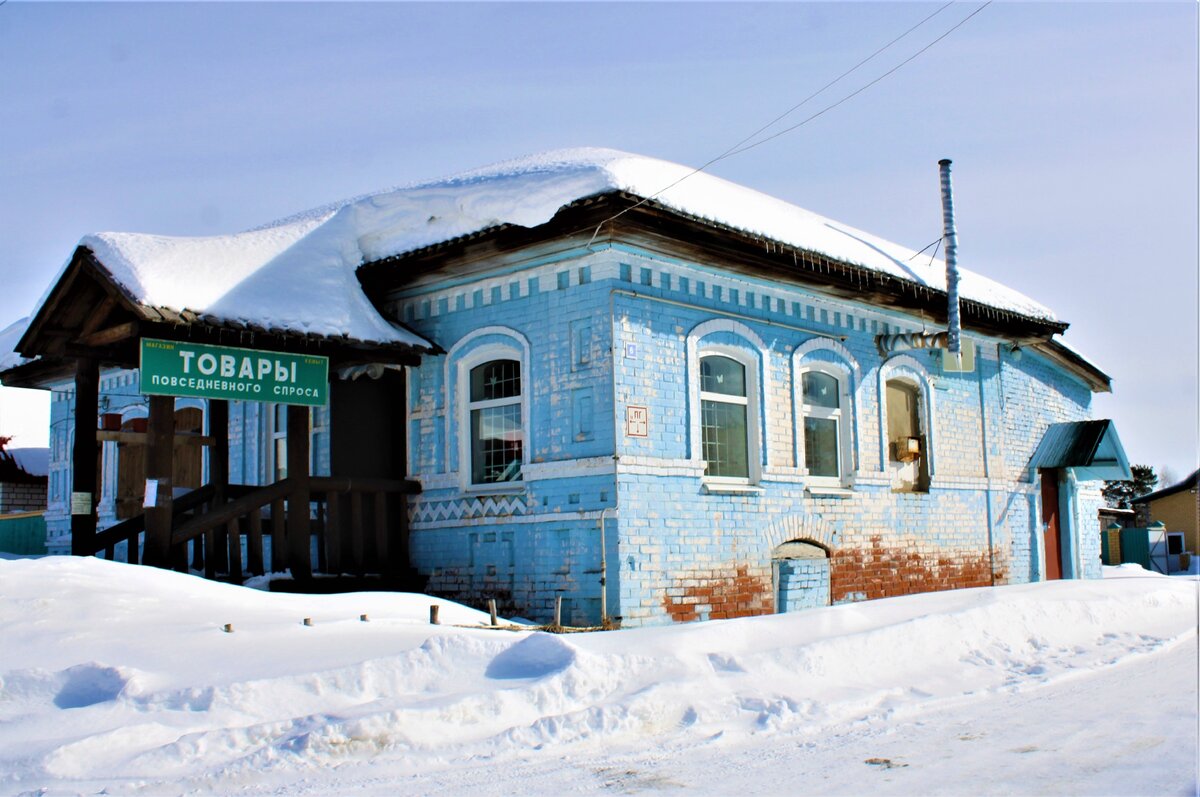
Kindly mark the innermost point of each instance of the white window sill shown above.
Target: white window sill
(507, 488)
(730, 488)
(823, 491)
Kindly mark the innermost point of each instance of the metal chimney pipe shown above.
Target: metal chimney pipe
(954, 324)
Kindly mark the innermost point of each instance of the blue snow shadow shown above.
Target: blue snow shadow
(534, 657)
(88, 684)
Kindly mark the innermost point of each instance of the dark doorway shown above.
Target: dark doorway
(1050, 523)
(367, 427)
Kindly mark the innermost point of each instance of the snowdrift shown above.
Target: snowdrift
(119, 674)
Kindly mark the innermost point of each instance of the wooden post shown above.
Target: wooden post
(558, 611)
(433, 615)
(218, 453)
(83, 457)
(333, 532)
(382, 561)
(160, 442)
(398, 555)
(234, 543)
(278, 537)
(254, 546)
(357, 532)
(299, 534)
(218, 475)
(492, 610)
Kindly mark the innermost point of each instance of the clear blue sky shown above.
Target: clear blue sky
(1073, 128)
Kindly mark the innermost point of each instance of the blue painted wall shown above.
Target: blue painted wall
(679, 547)
(601, 332)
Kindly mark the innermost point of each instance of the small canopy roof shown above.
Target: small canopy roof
(1091, 448)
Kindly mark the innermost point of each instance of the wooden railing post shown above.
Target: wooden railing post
(299, 533)
(381, 532)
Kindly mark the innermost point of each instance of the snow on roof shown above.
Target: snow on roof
(297, 277)
(34, 461)
(298, 273)
(8, 342)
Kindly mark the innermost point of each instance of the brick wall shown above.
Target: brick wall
(682, 549)
(22, 497)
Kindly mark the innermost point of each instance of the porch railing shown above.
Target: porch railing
(359, 527)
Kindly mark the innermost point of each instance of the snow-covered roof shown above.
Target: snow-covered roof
(298, 273)
(297, 277)
(8, 341)
(34, 461)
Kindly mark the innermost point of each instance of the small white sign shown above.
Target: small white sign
(630, 351)
(637, 421)
(81, 503)
(150, 500)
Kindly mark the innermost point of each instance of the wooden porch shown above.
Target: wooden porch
(355, 528)
(351, 524)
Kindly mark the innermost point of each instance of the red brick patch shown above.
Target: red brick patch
(884, 572)
(719, 595)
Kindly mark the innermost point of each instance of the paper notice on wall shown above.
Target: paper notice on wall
(81, 503)
(151, 498)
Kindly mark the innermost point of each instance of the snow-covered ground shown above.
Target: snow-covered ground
(119, 679)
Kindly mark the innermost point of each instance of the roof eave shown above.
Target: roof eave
(806, 265)
(1072, 361)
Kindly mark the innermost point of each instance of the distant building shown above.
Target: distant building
(1177, 507)
(551, 375)
(23, 477)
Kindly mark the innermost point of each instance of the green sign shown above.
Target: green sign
(174, 368)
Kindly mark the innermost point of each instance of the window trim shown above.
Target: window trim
(908, 369)
(750, 361)
(843, 415)
(480, 405)
(851, 382)
(513, 348)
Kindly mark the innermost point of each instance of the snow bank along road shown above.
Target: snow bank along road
(120, 678)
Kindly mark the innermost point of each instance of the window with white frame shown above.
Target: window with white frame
(725, 417)
(825, 415)
(494, 412)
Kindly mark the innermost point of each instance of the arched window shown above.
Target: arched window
(487, 382)
(908, 449)
(494, 410)
(825, 414)
(826, 378)
(724, 417)
(908, 459)
(727, 377)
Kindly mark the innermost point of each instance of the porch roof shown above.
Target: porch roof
(1091, 448)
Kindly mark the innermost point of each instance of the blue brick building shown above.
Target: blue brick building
(695, 404)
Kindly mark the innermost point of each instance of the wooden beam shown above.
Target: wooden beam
(142, 438)
(83, 457)
(98, 316)
(257, 497)
(111, 335)
(159, 462)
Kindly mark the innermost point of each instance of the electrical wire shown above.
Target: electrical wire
(738, 148)
(858, 91)
(926, 249)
